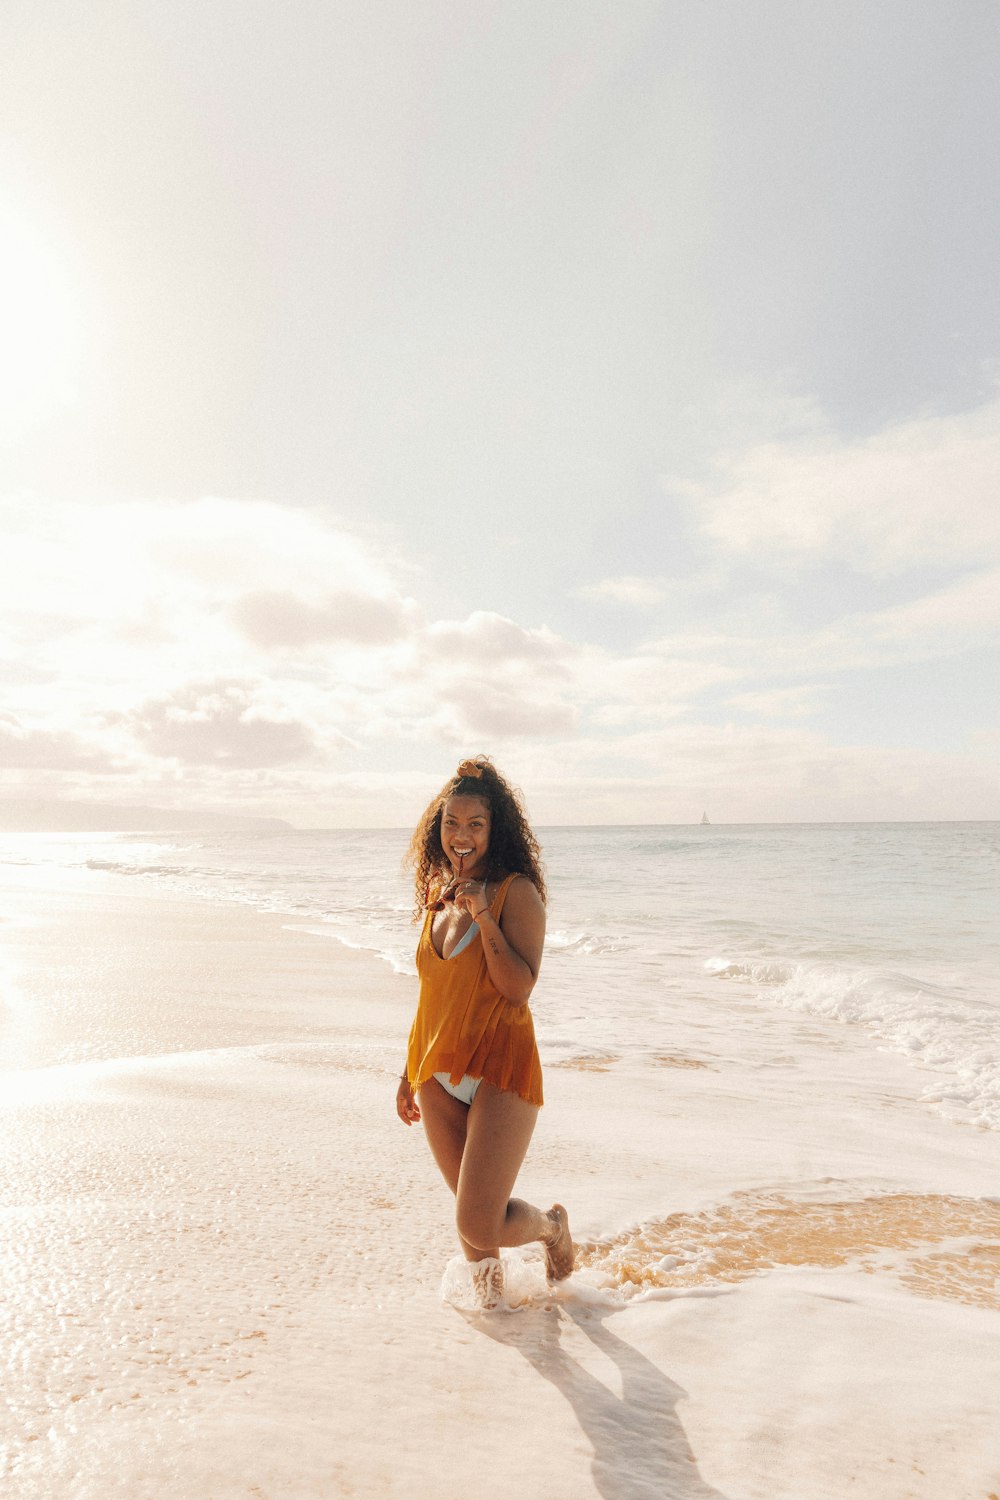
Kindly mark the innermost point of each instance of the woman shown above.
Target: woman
(472, 1061)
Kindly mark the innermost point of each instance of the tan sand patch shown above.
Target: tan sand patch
(973, 1276)
(678, 1060)
(915, 1236)
(593, 1064)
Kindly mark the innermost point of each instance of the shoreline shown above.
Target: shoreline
(226, 1256)
(231, 942)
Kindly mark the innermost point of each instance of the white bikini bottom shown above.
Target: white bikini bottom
(465, 1091)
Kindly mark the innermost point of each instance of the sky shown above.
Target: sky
(609, 386)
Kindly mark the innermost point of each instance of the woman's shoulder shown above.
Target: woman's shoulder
(522, 894)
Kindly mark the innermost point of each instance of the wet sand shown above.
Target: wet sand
(223, 1257)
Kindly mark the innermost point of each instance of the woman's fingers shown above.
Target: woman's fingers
(406, 1106)
(471, 895)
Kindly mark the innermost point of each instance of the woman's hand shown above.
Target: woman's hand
(470, 896)
(406, 1103)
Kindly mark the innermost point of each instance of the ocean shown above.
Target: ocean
(771, 1061)
(672, 945)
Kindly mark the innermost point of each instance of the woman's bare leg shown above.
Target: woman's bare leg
(499, 1127)
(444, 1120)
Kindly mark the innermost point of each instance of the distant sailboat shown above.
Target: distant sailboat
(704, 818)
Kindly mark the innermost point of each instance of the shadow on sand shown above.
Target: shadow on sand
(641, 1451)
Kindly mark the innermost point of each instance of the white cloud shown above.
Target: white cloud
(943, 622)
(116, 600)
(267, 655)
(628, 588)
(129, 562)
(751, 774)
(922, 491)
(236, 546)
(985, 742)
(507, 712)
(24, 747)
(485, 638)
(964, 613)
(221, 723)
(781, 703)
(280, 619)
(647, 686)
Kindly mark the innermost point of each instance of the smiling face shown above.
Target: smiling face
(465, 830)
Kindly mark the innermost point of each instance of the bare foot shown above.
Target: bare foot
(559, 1249)
(487, 1283)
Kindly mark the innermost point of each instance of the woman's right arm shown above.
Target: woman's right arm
(407, 1107)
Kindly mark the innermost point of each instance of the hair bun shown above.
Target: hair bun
(470, 768)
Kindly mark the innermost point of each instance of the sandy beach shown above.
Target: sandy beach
(223, 1254)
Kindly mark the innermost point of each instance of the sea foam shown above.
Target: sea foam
(924, 1021)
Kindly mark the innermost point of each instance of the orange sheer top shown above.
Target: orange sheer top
(463, 1023)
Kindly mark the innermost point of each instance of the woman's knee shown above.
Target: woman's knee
(477, 1225)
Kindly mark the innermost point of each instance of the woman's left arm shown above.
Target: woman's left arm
(512, 946)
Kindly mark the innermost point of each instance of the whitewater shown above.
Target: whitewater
(885, 933)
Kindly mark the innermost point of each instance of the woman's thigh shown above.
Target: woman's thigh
(498, 1130)
(444, 1119)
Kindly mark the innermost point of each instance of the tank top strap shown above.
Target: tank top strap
(496, 905)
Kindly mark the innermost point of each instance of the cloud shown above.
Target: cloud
(274, 618)
(485, 638)
(629, 588)
(219, 723)
(963, 613)
(482, 678)
(34, 749)
(103, 597)
(152, 566)
(322, 668)
(237, 546)
(781, 703)
(986, 742)
(501, 712)
(922, 491)
(624, 692)
(750, 773)
(947, 621)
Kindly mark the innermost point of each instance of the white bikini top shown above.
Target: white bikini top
(464, 940)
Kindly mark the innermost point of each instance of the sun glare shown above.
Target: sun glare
(39, 327)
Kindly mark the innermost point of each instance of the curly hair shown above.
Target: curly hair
(513, 848)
